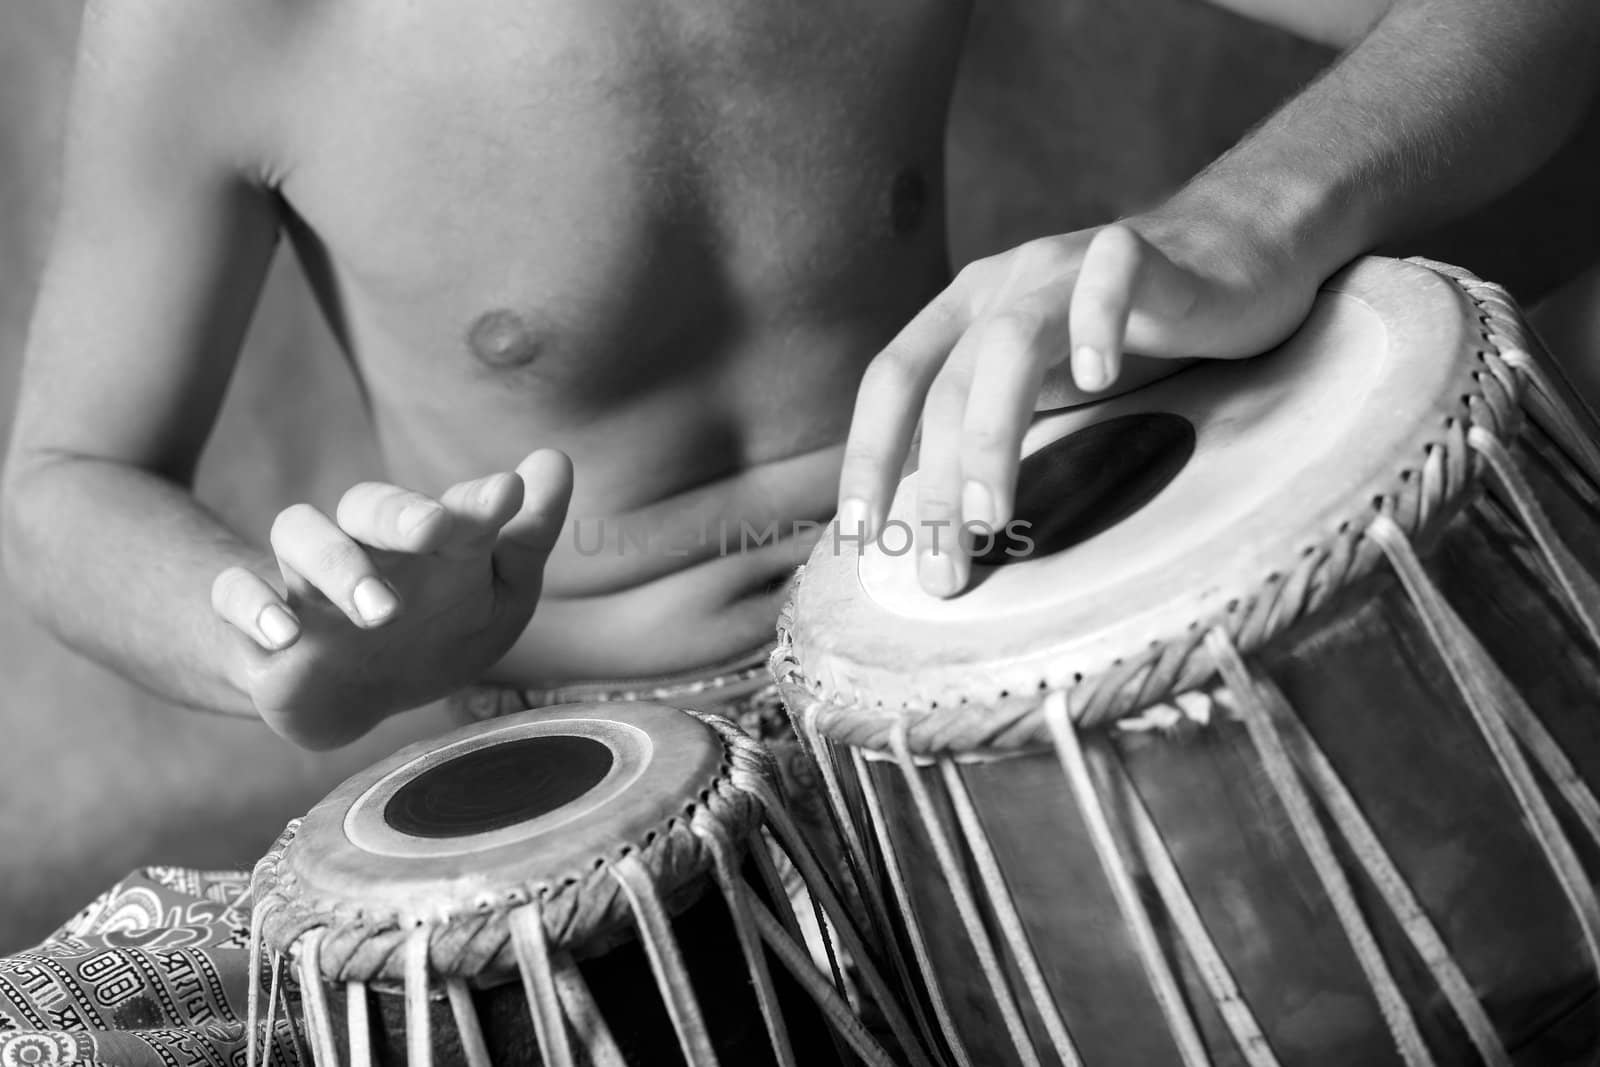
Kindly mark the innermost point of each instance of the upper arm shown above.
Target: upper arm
(163, 238)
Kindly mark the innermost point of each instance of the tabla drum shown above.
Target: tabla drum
(1269, 737)
(589, 884)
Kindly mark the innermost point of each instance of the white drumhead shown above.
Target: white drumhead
(1286, 447)
(1261, 430)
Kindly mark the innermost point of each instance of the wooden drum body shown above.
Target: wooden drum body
(1279, 747)
(583, 884)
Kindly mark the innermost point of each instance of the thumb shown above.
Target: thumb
(527, 538)
(1121, 272)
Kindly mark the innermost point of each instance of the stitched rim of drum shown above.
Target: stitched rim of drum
(584, 913)
(1006, 711)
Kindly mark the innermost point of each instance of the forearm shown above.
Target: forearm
(119, 564)
(1444, 105)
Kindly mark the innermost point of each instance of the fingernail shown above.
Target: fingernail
(375, 601)
(1089, 368)
(977, 505)
(853, 516)
(414, 515)
(937, 573)
(277, 625)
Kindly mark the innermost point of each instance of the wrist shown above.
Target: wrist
(1282, 226)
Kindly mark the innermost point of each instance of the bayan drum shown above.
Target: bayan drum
(1268, 734)
(586, 884)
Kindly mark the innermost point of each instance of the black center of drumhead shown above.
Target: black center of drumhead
(1087, 482)
(498, 786)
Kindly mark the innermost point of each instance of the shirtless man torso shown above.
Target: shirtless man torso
(665, 239)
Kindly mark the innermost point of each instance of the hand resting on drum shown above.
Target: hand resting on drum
(1049, 324)
(1364, 157)
(396, 601)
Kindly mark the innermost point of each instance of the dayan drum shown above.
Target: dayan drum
(585, 884)
(1272, 738)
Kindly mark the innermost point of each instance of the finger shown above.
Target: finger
(389, 517)
(527, 539)
(316, 556)
(942, 566)
(888, 404)
(478, 509)
(248, 603)
(1012, 352)
(1121, 272)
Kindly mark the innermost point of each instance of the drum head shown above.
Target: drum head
(528, 800)
(1154, 512)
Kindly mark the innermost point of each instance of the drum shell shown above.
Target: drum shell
(627, 997)
(1373, 692)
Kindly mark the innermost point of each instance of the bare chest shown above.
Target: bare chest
(572, 184)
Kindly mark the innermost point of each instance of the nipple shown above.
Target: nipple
(503, 339)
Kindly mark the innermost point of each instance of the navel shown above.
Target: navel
(908, 201)
(503, 339)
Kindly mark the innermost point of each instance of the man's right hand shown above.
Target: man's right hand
(396, 601)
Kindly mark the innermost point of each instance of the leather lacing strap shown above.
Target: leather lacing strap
(1363, 840)
(1214, 972)
(253, 994)
(1553, 401)
(583, 1015)
(360, 1027)
(465, 1014)
(1292, 794)
(767, 871)
(908, 908)
(955, 879)
(266, 1031)
(314, 999)
(782, 838)
(274, 993)
(1005, 911)
(1581, 590)
(827, 899)
(1494, 702)
(736, 897)
(832, 1005)
(753, 924)
(661, 946)
(1158, 971)
(419, 1022)
(879, 925)
(1551, 404)
(277, 995)
(802, 718)
(539, 985)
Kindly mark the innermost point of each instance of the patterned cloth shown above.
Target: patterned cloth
(154, 972)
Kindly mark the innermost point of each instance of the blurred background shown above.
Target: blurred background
(1069, 113)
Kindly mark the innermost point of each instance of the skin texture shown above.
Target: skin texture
(665, 241)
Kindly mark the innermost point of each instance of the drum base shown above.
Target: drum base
(1369, 687)
(627, 997)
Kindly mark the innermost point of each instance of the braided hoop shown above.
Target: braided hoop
(1000, 704)
(585, 910)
